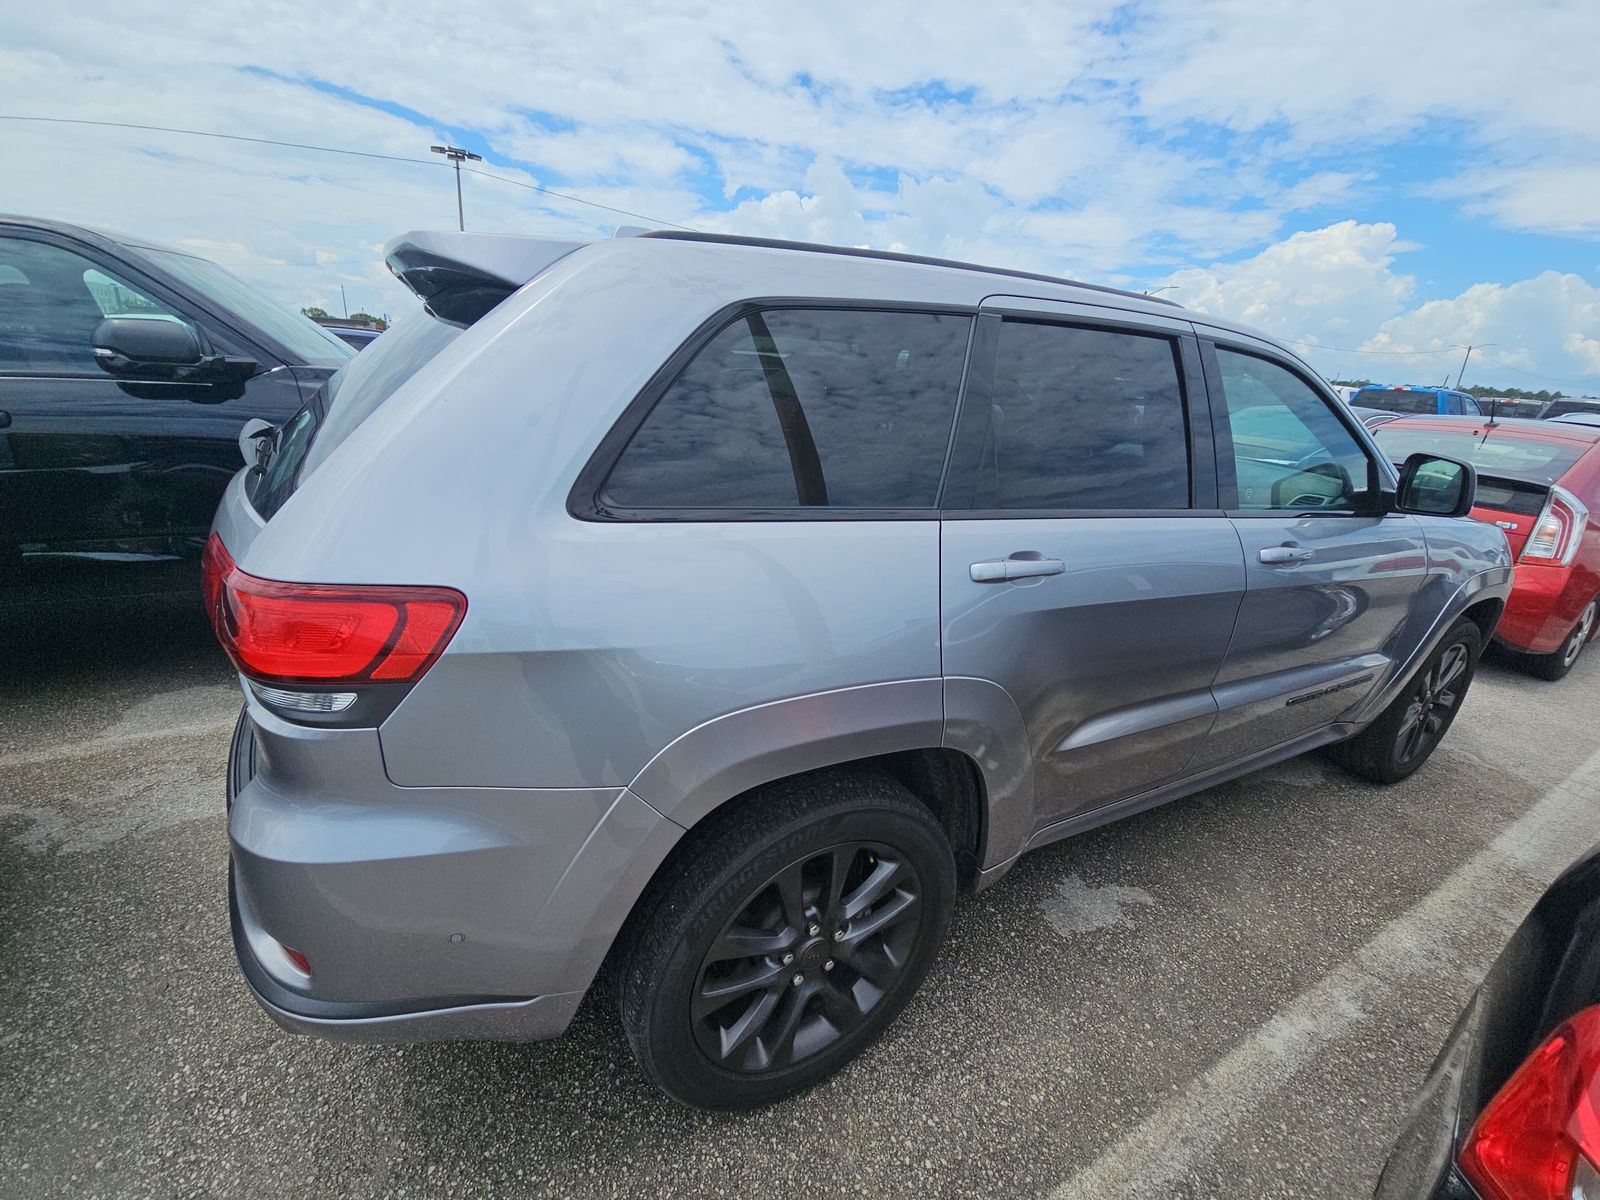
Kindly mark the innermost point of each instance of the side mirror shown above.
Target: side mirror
(162, 350)
(146, 347)
(1431, 486)
(250, 440)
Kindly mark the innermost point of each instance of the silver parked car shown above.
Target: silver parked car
(713, 610)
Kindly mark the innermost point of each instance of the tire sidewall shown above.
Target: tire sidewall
(678, 1061)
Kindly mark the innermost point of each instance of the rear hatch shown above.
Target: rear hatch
(1512, 504)
(459, 277)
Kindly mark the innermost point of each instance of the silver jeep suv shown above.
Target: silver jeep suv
(711, 610)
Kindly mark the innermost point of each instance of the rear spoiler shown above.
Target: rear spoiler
(460, 276)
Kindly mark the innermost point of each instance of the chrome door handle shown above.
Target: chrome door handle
(1286, 554)
(1001, 570)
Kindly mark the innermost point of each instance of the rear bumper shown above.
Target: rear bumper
(531, 1020)
(1544, 606)
(425, 913)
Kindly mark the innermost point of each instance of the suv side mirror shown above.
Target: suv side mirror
(1431, 486)
(162, 350)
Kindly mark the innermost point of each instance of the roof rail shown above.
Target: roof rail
(731, 239)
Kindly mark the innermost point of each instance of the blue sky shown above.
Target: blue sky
(1390, 180)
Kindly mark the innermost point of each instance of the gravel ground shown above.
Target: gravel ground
(1218, 998)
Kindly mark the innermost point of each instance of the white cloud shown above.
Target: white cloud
(1105, 140)
(1336, 293)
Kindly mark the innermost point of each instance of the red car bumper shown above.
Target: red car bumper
(1544, 606)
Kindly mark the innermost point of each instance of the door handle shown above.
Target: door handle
(1276, 555)
(5, 420)
(1001, 570)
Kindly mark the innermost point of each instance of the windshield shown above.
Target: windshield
(1493, 453)
(298, 334)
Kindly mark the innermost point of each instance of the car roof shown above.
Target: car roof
(88, 234)
(1515, 427)
(1408, 387)
(426, 260)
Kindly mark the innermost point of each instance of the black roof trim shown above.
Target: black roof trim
(730, 239)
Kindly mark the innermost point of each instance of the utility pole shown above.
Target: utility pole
(1464, 358)
(457, 156)
(345, 300)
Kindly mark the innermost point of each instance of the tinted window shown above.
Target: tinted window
(1085, 419)
(1397, 400)
(358, 388)
(297, 333)
(1494, 453)
(802, 407)
(291, 442)
(1289, 449)
(51, 300)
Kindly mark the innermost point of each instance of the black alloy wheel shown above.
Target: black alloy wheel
(783, 937)
(1433, 705)
(1403, 736)
(804, 962)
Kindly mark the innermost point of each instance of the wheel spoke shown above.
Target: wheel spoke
(717, 993)
(873, 888)
(1413, 715)
(1412, 741)
(1450, 668)
(791, 890)
(741, 941)
(831, 902)
(778, 1041)
(890, 912)
(737, 1036)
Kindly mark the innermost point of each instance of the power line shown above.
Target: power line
(1348, 350)
(1582, 381)
(420, 162)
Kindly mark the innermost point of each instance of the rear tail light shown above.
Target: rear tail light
(327, 634)
(1558, 530)
(1539, 1138)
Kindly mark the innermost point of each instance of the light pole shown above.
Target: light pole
(1166, 288)
(457, 156)
(1464, 358)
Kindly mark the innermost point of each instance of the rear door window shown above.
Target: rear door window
(1085, 419)
(802, 408)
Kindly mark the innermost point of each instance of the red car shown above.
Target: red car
(1538, 481)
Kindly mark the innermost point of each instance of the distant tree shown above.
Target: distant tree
(1355, 383)
(314, 312)
(366, 316)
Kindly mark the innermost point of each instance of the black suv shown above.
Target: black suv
(127, 373)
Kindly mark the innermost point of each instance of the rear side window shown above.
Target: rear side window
(1085, 419)
(796, 408)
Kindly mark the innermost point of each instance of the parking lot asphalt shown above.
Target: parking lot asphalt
(1232, 995)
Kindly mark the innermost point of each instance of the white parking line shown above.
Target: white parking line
(1437, 933)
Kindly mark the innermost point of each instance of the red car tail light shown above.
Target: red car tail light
(215, 565)
(1558, 530)
(1539, 1138)
(315, 633)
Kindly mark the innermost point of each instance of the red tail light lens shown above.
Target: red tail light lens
(1557, 531)
(215, 565)
(1540, 1136)
(316, 633)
